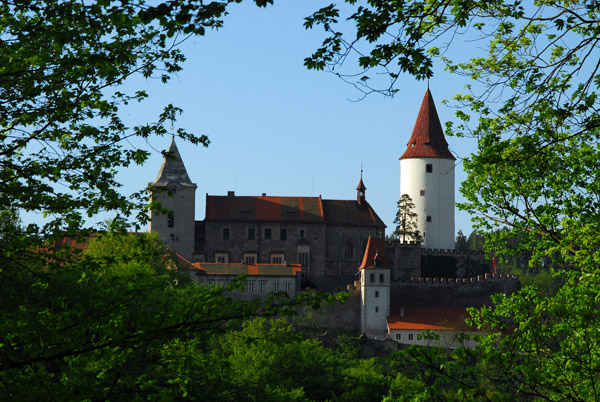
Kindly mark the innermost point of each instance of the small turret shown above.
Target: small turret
(375, 289)
(360, 191)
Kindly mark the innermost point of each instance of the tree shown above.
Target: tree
(461, 241)
(532, 104)
(63, 66)
(407, 220)
(105, 323)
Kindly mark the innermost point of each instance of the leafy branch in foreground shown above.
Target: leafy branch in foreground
(107, 317)
(63, 66)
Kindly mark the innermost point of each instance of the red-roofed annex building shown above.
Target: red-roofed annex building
(326, 237)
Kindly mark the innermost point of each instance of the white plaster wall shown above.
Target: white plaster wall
(374, 323)
(438, 201)
(446, 338)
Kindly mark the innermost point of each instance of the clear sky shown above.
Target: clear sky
(276, 127)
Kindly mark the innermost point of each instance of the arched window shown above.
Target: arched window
(348, 250)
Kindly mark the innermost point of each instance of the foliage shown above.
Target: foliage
(63, 66)
(407, 220)
(105, 323)
(461, 241)
(532, 104)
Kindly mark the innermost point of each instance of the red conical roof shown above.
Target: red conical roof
(427, 139)
(375, 251)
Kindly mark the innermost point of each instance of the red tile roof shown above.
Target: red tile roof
(375, 251)
(290, 209)
(350, 213)
(434, 318)
(213, 268)
(264, 208)
(427, 139)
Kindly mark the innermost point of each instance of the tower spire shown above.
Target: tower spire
(172, 170)
(427, 139)
(360, 189)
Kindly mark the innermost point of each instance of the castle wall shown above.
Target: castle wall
(341, 267)
(238, 243)
(450, 292)
(179, 237)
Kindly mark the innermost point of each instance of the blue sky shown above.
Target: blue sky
(276, 127)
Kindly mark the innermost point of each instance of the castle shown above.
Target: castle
(329, 239)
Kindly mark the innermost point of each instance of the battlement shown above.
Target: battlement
(398, 242)
(478, 278)
(450, 252)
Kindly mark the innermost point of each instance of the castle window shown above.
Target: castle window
(377, 309)
(420, 337)
(372, 277)
(171, 237)
(268, 233)
(222, 258)
(381, 278)
(411, 337)
(428, 219)
(429, 168)
(250, 286)
(276, 287)
(225, 233)
(249, 258)
(348, 250)
(276, 258)
(398, 336)
(377, 293)
(301, 233)
(251, 233)
(288, 287)
(171, 220)
(303, 259)
(263, 287)
(283, 234)
(422, 192)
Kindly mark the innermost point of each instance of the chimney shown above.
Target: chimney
(230, 193)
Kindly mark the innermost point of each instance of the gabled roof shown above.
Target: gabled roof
(434, 318)
(427, 139)
(172, 169)
(212, 268)
(350, 213)
(374, 253)
(264, 208)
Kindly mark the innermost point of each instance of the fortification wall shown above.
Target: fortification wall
(408, 260)
(452, 292)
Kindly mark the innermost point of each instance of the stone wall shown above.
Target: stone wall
(451, 292)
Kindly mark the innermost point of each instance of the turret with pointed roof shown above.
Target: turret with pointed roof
(375, 289)
(172, 170)
(360, 191)
(427, 176)
(427, 139)
(176, 193)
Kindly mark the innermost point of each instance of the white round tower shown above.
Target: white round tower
(427, 176)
